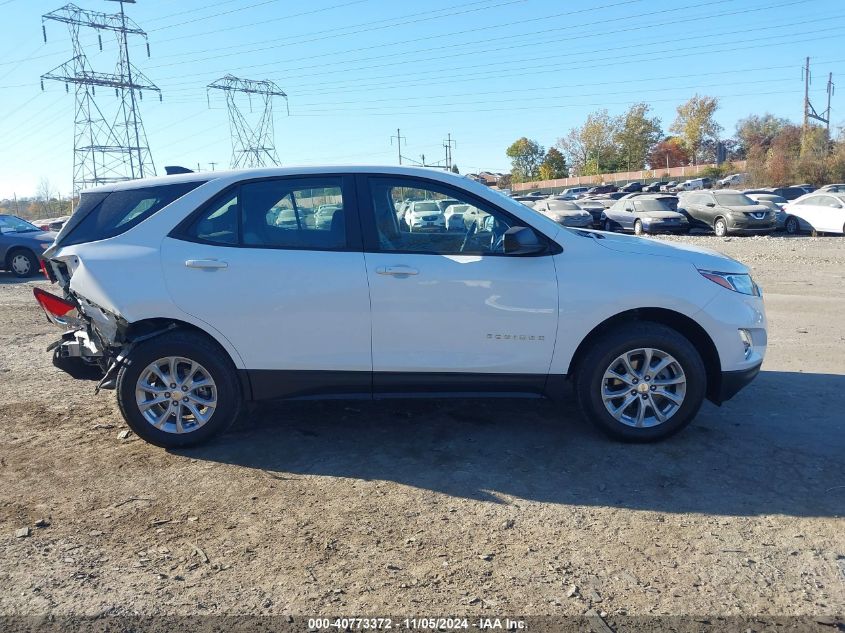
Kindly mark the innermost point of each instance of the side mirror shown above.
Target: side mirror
(629, 209)
(520, 240)
(710, 204)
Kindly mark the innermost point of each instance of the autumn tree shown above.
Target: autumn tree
(526, 157)
(637, 133)
(553, 165)
(670, 152)
(695, 122)
(594, 141)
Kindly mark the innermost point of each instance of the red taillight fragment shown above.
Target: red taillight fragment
(52, 304)
(46, 272)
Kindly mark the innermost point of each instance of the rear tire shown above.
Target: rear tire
(638, 228)
(592, 382)
(22, 263)
(608, 226)
(189, 347)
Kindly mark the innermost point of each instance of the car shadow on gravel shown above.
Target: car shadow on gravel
(777, 448)
(8, 279)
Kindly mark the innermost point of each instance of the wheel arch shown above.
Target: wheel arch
(146, 329)
(17, 248)
(681, 323)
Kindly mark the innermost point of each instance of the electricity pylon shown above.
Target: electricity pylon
(252, 145)
(109, 144)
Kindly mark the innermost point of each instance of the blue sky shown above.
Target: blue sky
(486, 71)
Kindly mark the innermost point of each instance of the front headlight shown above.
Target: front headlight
(650, 219)
(740, 283)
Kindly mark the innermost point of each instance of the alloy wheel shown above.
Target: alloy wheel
(638, 228)
(791, 226)
(720, 228)
(176, 395)
(643, 387)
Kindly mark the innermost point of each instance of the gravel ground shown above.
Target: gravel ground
(411, 507)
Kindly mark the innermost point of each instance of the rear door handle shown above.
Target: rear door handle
(207, 264)
(397, 271)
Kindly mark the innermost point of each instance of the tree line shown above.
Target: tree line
(778, 151)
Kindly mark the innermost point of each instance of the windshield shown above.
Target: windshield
(734, 200)
(13, 224)
(651, 205)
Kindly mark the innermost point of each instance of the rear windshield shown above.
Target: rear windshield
(105, 214)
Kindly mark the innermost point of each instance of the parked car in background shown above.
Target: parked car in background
(823, 212)
(596, 209)
(644, 213)
(565, 212)
(655, 186)
(600, 189)
(726, 211)
(528, 201)
(52, 224)
(693, 184)
(454, 216)
(324, 215)
(605, 199)
(21, 245)
(443, 203)
(631, 187)
(669, 186)
(425, 215)
(806, 186)
(733, 180)
(572, 193)
(775, 203)
(169, 285)
(790, 193)
(833, 188)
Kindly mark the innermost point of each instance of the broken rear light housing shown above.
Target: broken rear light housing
(58, 310)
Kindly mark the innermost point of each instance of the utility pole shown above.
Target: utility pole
(809, 110)
(212, 165)
(108, 147)
(252, 145)
(398, 138)
(448, 143)
(17, 206)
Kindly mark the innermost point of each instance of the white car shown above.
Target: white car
(823, 212)
(573, 193)
(693, 184)
(733, 180)
(191, 302)
(454, 216)
(425, 215)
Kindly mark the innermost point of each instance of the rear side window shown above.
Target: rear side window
(118, 211)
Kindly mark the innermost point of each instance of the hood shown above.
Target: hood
(33, 236)
(701, 258)
(757, 208)
(662, 215)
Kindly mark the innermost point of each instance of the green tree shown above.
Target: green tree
(695, 123)
(759, 130)
(553, 165)
(526, 157)
(636, 135)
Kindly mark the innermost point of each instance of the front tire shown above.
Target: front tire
(608, 226)
(720, 227)
(178, 389)
(638, 228)
(22, 263)
(792, 226)
(641, 382)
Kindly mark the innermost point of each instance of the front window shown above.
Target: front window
(734, 200)
(479, 230)
(651, 205)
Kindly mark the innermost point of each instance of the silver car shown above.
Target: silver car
(565, 212)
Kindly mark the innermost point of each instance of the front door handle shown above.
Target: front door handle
(207, 264)
(397, 271)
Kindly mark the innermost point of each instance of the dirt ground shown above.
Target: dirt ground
(439, 508)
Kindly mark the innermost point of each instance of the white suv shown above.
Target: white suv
(191, 298)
